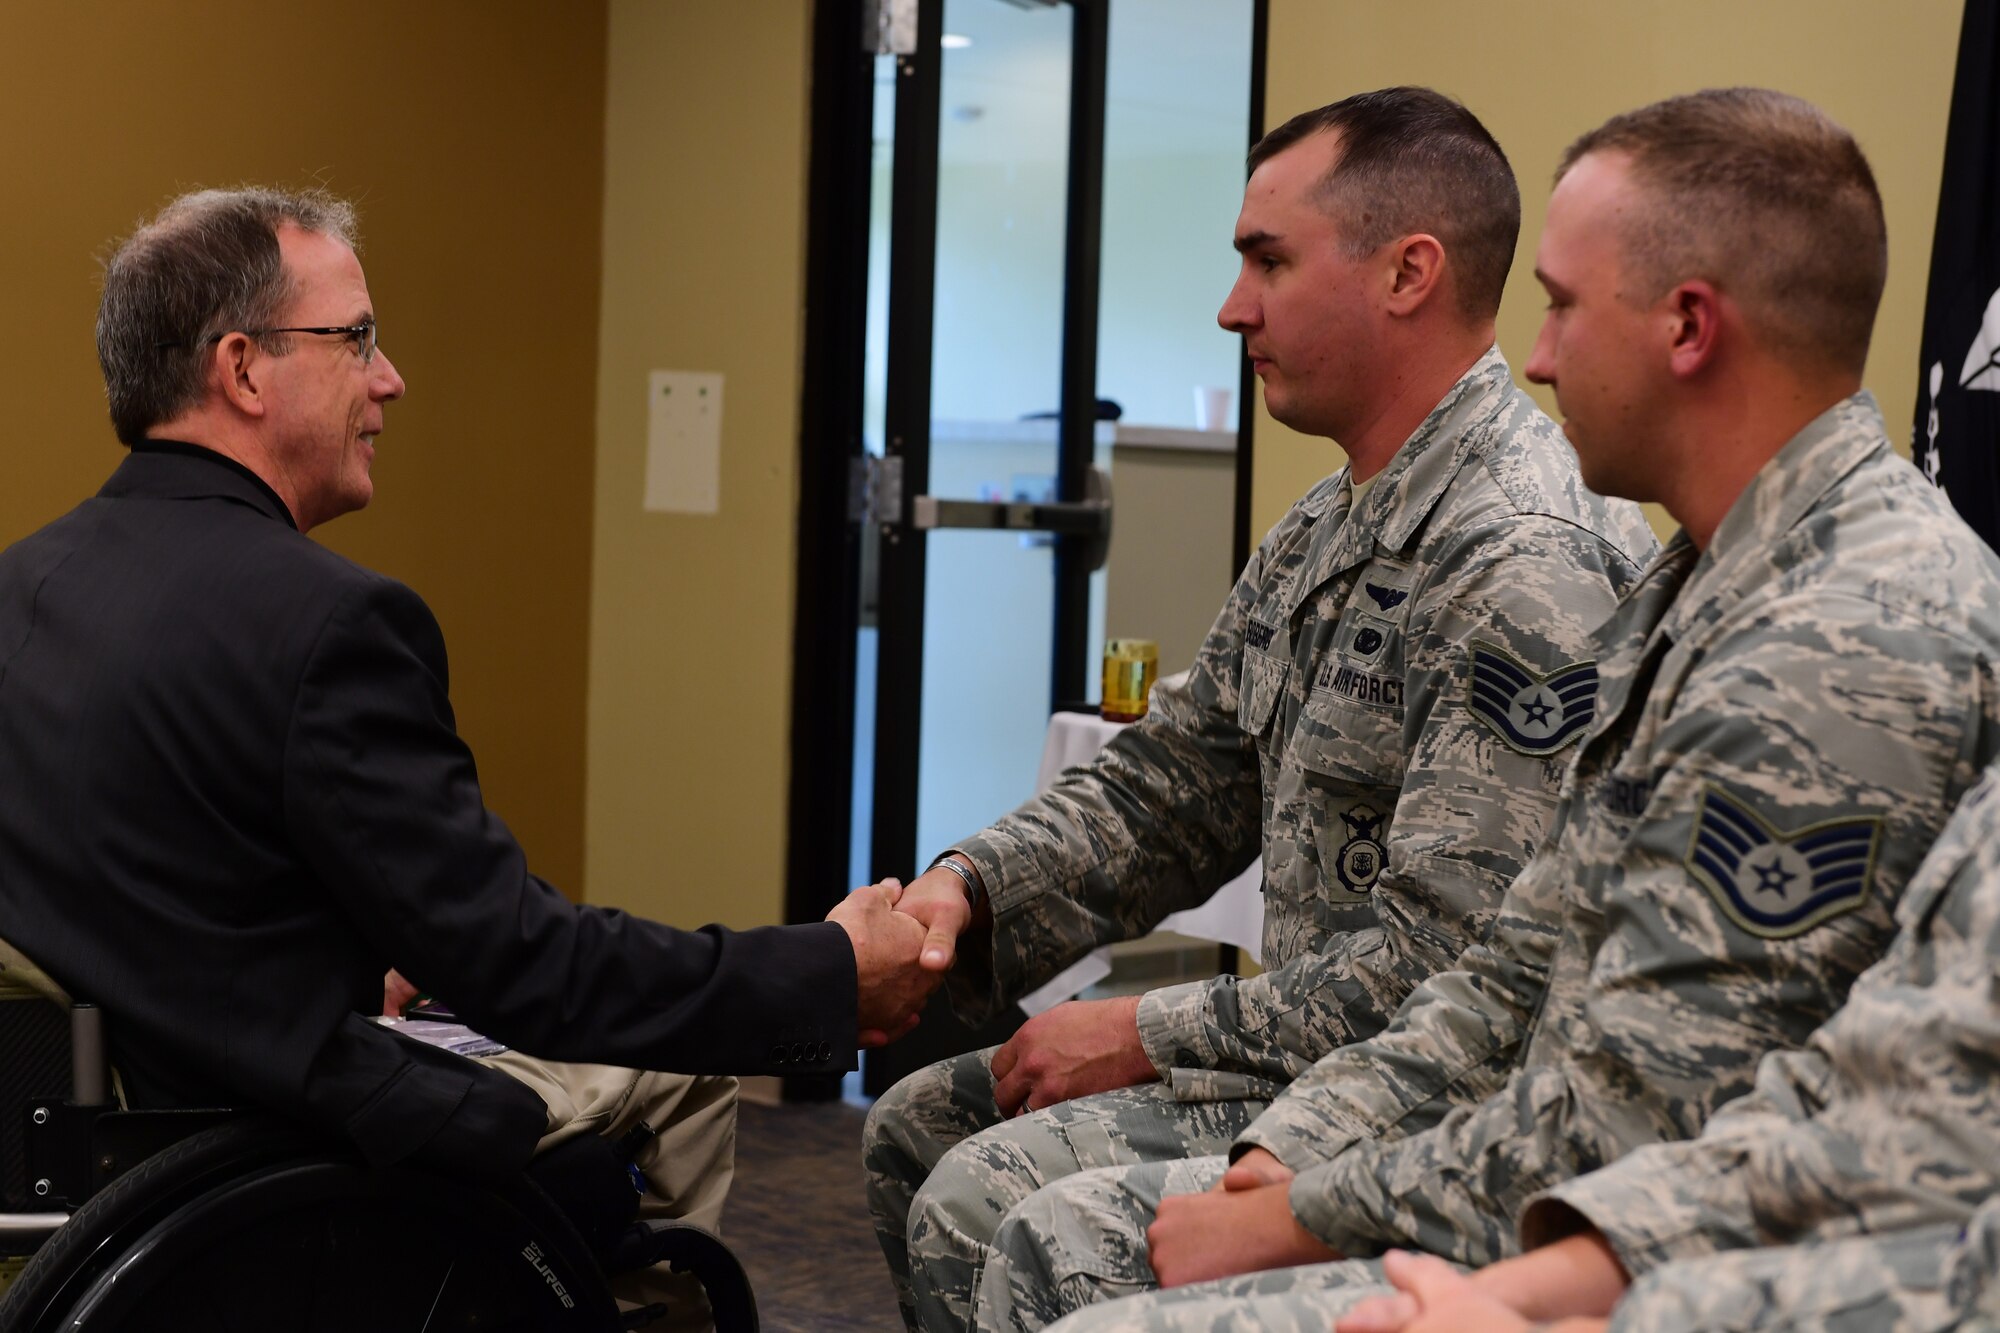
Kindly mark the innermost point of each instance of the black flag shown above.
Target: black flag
(1957, 440)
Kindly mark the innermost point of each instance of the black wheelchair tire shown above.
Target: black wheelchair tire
(181, 1235)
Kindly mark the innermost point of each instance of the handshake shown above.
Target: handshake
(904, 940)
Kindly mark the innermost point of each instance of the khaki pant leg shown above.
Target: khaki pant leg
(688, 1166)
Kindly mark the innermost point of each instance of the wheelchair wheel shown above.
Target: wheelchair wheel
(253, 1226)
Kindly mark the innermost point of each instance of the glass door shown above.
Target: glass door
(1025, 162)
(988, 406)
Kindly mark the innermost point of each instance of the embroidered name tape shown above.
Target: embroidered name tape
(1366, 687)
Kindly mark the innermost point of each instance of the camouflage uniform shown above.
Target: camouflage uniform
(1853, 1151)
(1915, 1281)
(1784, 723)
(1392, 691)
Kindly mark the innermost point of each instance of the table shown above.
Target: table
(1234, 914)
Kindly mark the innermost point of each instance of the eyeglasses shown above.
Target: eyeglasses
(362, 335)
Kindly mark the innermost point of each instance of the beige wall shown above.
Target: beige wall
(1169, 565)
(691, 616)
(1542, 72)
(471, 133)
(515, 467)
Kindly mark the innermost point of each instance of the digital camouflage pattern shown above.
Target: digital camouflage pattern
(1826, 665)
(1924, 1280)
(1329, 719)
(1328, 716)
(1273, 1301)
(1888, 1121)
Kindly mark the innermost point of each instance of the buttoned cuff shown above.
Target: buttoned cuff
(1638, 1216)
(1302, 1138)
(1174, 1027)
(1317, 1197)
(1004, 894)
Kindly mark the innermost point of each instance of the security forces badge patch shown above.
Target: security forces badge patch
(1358, 863)
(1534, 714)
(1774, 884)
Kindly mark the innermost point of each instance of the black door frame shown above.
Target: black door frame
(827, 610)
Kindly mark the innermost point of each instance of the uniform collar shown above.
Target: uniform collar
(1784, 491)
(177, 470)
(1419, 473)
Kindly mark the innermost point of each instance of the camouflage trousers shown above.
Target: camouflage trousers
(944, 1169)
(1913, 1281)
(1073, 1258)
(1924, 1280)
(1280, 1300)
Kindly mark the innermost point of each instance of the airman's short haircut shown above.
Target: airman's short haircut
(1765, 196)
(1414, 160)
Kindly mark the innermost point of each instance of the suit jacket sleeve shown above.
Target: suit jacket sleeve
(383, 802)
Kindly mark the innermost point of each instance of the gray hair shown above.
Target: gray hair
(207, 264)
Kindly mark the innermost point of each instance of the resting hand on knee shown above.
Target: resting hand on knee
(1199, 1237)
(1073, 1050)
(1431, 1296)
(1574, 1281)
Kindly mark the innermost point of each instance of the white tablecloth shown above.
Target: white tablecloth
(1233, 915)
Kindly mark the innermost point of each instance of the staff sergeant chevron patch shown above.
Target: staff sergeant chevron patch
(1537, 715)
(1780, 884)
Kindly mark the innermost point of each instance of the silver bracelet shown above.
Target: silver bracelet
(975, 893)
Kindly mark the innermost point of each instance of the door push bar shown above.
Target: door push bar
(1089, 517)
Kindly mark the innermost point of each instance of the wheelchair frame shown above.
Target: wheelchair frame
(165, 1211)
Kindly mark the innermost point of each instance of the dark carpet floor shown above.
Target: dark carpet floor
(798, 1220)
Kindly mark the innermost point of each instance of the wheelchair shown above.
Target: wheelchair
(113, 1219)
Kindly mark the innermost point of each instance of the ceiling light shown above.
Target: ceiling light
(953, 41)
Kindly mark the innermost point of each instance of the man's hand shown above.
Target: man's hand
(1431, 1297)
(1197, 1237)
(891, 985)
(1575, 1281)
(1072, 1050)
(396, 994)
(937, 899)
(1253, 1170)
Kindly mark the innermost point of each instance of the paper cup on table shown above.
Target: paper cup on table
(1211, 409)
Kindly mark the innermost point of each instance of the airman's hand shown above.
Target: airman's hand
(1571, 1285)
(1074, 1049)
(937, 899)
(1198, 1237)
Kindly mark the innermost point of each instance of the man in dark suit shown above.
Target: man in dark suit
(234, 793)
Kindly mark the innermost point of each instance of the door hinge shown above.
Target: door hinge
(875, 490)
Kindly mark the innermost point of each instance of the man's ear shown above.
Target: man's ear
(1418, 273)
(1693, 315)
(236, 371)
